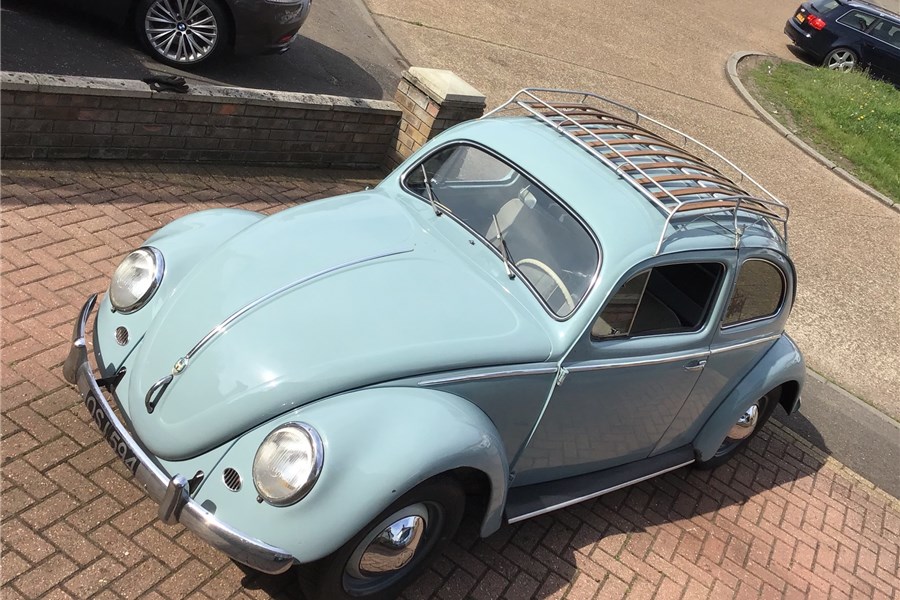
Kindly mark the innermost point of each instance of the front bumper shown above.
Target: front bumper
(171, 493)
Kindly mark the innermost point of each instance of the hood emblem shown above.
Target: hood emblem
(180, 365)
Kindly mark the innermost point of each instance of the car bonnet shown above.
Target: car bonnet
(309, 303)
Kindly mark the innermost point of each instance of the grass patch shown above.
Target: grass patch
(851, 119)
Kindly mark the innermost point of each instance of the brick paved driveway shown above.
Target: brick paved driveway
(783, 520)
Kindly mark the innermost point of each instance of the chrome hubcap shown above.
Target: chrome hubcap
(391, 548)
(745, 425)
(394, 547)
(181, 30)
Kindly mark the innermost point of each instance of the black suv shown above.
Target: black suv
(844, 35)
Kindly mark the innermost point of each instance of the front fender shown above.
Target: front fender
(782, 364)
(379, 444)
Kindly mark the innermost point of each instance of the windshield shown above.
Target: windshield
(824, 6)
(540, 240)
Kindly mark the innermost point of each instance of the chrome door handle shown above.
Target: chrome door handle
(695, 365)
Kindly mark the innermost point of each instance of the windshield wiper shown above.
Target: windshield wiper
(504, 250)
(434, 203)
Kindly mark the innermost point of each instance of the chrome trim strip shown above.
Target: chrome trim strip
(595, 494)
(593, 366)
(768, 338)
(491, 375)
(175, 504)
(223, 326)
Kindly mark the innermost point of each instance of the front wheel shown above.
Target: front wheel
(393, 549)
(740, 434)
(841, 59)
(182, 33)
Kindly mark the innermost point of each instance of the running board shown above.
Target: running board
(539, 498)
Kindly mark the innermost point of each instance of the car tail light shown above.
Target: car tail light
(287, 37)
(815, 22)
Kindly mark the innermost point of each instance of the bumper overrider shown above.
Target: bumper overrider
(171, 493)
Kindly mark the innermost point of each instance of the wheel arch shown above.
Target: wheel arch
(379, 443)
(781, 368)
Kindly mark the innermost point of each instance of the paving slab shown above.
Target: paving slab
(669, 62)
(782, 520)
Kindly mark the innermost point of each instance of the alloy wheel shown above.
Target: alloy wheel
(184, 31)
(841, 60)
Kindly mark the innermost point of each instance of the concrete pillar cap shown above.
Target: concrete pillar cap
(444, 86)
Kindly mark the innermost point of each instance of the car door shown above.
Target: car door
(628, 377)
(747, 324)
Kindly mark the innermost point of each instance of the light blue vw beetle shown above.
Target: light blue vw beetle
(538, 307)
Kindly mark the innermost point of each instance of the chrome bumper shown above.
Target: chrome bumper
(175, 503)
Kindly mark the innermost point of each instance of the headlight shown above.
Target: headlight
(287, 464)
(136, 279)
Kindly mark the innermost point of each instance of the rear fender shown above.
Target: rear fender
(782, 365)
(379, 443)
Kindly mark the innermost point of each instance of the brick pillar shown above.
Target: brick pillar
(431, 100)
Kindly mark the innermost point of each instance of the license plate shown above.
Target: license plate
(115, 441)
(800, 17)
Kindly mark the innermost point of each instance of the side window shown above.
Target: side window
(665, 299)
(887, 32)
(758, 293)
(857, 20)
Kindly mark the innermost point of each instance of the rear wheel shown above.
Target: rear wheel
(740, 434)
(841, 59)
(393, 549)
(182, 33)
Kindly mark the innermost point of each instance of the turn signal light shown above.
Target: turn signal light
(815, 22)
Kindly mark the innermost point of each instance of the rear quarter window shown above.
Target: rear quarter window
(758, 293)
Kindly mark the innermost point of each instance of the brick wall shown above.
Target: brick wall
(45, 116)
(432, 101)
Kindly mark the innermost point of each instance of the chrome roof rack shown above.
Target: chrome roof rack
(672, 177)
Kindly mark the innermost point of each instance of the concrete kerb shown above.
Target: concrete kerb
(731, 70)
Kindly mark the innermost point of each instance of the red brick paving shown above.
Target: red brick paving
(781, 521)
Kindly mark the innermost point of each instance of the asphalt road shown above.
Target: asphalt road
(340, 51)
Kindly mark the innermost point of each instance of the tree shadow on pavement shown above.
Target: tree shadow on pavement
(544, 555)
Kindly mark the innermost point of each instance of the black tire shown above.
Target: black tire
(196, 38)
(730, 446)
(841, 59)
(334, 578)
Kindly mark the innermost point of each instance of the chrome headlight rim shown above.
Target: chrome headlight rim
(160, 270)
(318, 449)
